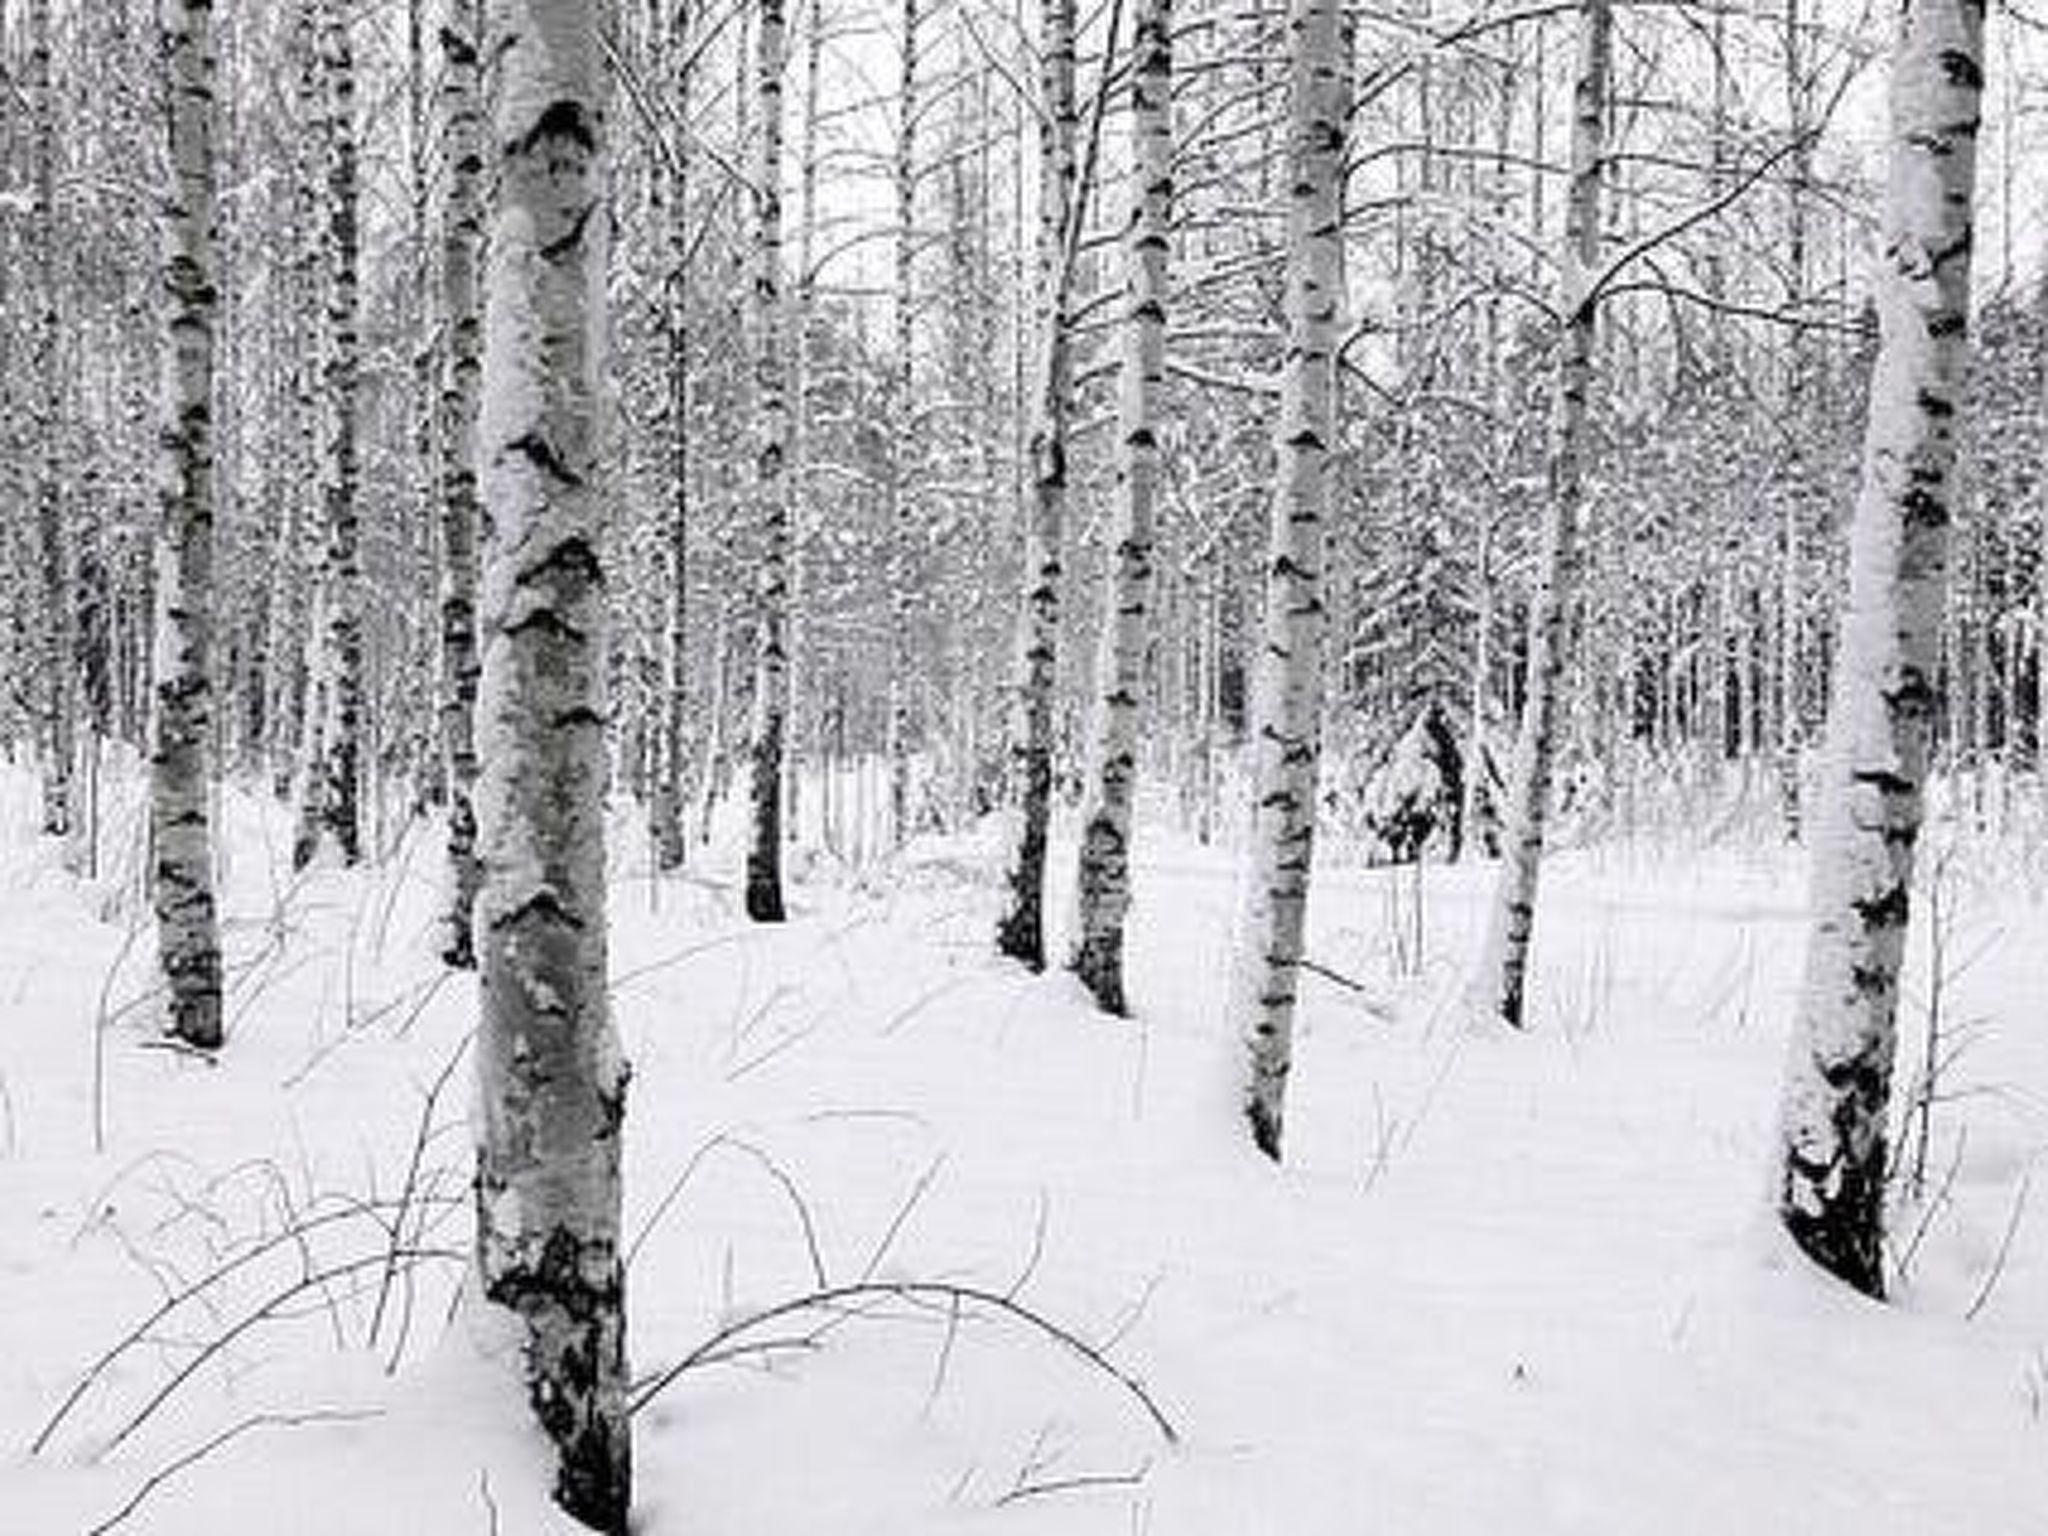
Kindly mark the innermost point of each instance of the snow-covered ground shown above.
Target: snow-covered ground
(1504, 1285)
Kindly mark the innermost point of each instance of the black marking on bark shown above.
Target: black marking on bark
(1961, 69)
(563, 119)
(1922, 509)
(541, 454)
(544, 903)
(575, 557)
(572, 237)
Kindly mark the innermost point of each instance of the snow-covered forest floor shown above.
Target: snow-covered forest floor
(1504, 1285)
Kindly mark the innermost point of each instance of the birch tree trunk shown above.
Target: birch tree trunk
(181, 777)
(1288, 683)
(1880, 717)
(1800, 364)
(1504, 960)
(801, 732)
(551, 1078)
(771, 406)
(1103, 884)
(461, 230)
(1021, 932)
(903, 530)
(54, 706)
(666, 812)
(332, 812)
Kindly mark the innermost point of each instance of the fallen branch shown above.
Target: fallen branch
(922, 1293)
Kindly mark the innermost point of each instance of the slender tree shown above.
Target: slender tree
(461, 225)
(903, 527)
(56, 706)
(331, 813)
(1103, 884)
(1504, 962)
(1288, 688)
(771, 411)
(552, 1081)
(1881, 714)
(665, 814)
(1021, 932)
(181, 762)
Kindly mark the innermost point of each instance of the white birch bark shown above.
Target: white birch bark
(58, 745)
(1265, 966)
(903, 530)
(551, 1078)
(771, 409)
(1880, 716)
(461, 229)
(181, 766)
(1103, 881)
(670, 839)
(1504, 959)
(332, 812)
(1799, 368)
(1021, 932)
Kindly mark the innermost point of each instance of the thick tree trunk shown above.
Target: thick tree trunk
(771, 408)
(1838, 1079)
(1287, 697)
(181, 763)
(1021, 932)
(1103, 883)
(461, 232)
(1504, 961)
(332, 813)
(551, 1078)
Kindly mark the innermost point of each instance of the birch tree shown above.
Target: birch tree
(903, 530)
(552, 1080)
(455, 442)
(1881, 713)
(331, 814)
(771, 406)
(188, 938)
(1504, 961)
(56, 702)
(1287, 685)
(1021, 932)
(1103, 883)
(666, 812)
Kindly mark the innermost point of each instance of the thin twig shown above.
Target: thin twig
(1076, 1484)
(2012, 1226)
(920, 1293)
